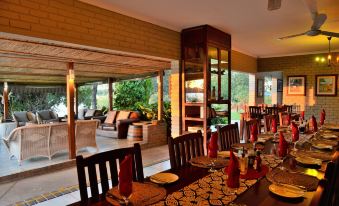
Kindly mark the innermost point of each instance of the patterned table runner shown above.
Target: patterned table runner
(212, 189)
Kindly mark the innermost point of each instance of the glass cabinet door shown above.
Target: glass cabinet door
(213, 65)
(224, 65)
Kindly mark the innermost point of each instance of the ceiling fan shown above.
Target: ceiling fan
(318, 20)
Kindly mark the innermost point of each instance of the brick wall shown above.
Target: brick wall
(77, 22)
(243, 63)
(305, 65)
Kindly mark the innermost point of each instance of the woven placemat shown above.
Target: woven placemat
(247, 146)
(284, 177)
(143, 194)
(324, 141)
(205, 162)
(324, 156)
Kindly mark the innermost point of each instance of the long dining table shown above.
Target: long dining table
(256, 194)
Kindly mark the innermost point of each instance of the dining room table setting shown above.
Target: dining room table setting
(281, 167)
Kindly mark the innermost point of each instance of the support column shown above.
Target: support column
(76, 104)
(110, 94)
(5, 101)
(160, 94)
(70, 110)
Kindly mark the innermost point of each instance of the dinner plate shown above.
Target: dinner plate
(287, 191)
(164, 178)
(308, 161)
(225, 154)
(329, 136)
(322, 146)
(333, 127)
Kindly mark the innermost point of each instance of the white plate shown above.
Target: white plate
(308, 161)
(322, 146)
(288, 191)
(329, 136)
(164, 178)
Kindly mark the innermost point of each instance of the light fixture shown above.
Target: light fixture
(71, 74)
(331, 60)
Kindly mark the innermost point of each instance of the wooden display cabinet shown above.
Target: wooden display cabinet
(205, 78)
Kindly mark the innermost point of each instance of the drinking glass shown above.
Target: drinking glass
(213, 160)
(125, 196)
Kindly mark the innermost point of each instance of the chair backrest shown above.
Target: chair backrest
(289, 108)
(283, 118)
(85, 131)
(268, 122)
(255, 111)
(104, 159)
(272, 110)
(247, 128)
(319, 197)
(185, 147)
(331, 174)
(228, 135)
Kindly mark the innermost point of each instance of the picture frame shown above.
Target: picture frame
(260, 88)
(326, 85)
(296, 85)
(280, 85)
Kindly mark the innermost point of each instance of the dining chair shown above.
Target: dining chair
(331, 174)
(185, 147)
(268, 122)
(289, 108)
(272, 110)
(247, 128)
(255, 112)
(319, 197)
(228, 135)
(104, 159)
(283, 118)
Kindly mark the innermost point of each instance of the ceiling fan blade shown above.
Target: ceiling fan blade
(312, 7)
(318, 21)
(291, 36)
(274, 5)
(328, 33)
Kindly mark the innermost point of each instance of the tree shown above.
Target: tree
(85, 97)
(94, 95)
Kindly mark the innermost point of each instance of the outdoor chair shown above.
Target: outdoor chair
(21, 118)
(47, 116)
(185, 147)
(228, 135)
(247, 128)
(85, 133)
(105, 160)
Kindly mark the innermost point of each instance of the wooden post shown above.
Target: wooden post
(70, 110)
(110, 94)
(76, 104)
(160, 94)
(5, 101)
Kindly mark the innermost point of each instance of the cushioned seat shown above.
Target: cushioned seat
(47, 116)
(21, 118)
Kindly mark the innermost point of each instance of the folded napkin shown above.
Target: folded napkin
(213, 146)
(126, 176)
(233, 172)
(322, 117)
(274, 125)
(295, 132)
(283, 145)
(302, 115)
(254, 133)
(314, 124)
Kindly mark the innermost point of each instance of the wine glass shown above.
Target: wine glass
(126, 195)
(213, 160)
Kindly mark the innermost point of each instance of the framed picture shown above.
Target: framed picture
(280, 85)
(296, 85)
(326, 85)
(260, 88)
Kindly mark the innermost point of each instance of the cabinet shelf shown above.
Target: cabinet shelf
(194, 104)
(198, 119)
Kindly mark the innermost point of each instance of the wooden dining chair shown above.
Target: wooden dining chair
(255, 112)
(289, 108)
(268, 119)
(247, 128)
(272, 110)
(185, 147)
(331, 174)
(103, 160)
(320, 196)
(228, 135)
(283, 118)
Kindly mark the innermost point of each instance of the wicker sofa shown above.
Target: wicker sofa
(48, 139)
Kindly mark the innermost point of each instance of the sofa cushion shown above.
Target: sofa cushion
(97, 113)
(123, 115)
(90, 113)
(111, 115)
(45, 114)
(134, 115)
(20, 116)
(81, 113)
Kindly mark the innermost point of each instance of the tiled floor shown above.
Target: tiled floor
(27, 188)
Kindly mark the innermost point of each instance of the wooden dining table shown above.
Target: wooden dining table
(257, 194)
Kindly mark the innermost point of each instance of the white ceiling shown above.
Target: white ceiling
(254, 30)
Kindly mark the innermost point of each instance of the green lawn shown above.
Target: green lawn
(235, 115)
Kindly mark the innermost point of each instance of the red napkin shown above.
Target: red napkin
(302, 114)
(213, 146)
(314, 124)
(233, 172)
(295, 132)
(254, 133)
(274, 125)
(126, 176)
(322, 117)
(283, 145)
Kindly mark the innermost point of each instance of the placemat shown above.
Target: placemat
(212, 189)
(324, 156)
(284, 177)
(143, 194)
(247, 146)
(327, 142)
(205, 162)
